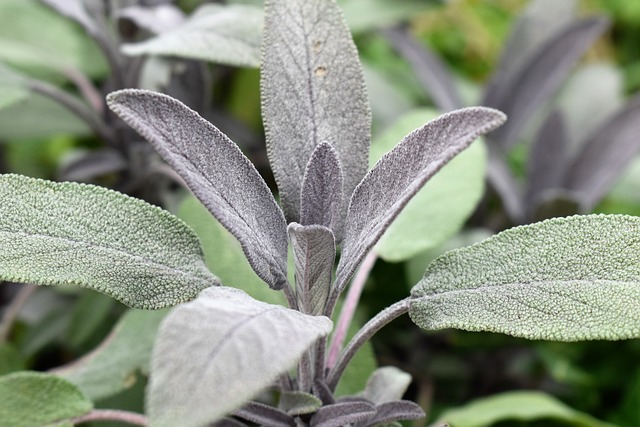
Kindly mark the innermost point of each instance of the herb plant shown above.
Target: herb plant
(564, 279)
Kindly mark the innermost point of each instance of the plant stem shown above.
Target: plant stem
(14, 309)
(112, 415)
(368, 330)
(349, 307)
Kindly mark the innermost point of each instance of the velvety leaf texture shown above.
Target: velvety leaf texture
(68, 233)
(341, 413)
(321, 195)
(112, 366)
(314, 252)
(227, 34)
(298, 403)
(217, 173)
(31, 399)
(394, 411)
(265, 415)
(217, 352)
(398, 176)
(312, 91)
(563, 279)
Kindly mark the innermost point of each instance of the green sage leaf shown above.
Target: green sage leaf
(38, 399)
(387, 384)
(313, 91)
(299, 403)
(112, 366)
(67, 233)
(517, 406)
(217, 352)
(226, 34)
(13, 88)
(442, 206)
(563, 279)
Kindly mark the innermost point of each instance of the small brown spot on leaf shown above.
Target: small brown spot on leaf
(321, 71)
(316, 46)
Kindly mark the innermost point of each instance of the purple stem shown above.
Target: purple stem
(112, 415)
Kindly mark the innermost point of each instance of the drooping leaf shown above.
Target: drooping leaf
(341, 413)
(217, 173)
(400, 174)
(217, 352)
(563, 279)
(265, 415)
(539, 77)
(223, 254)
(312, 91)
(156, 19)
(314, 252)
(112, 366)
(428, 69)
(226, 34)
(442, 206)
(517, 406)
(367, 15)
(38, 399)
(299, 403)
(387, 384)
(88, 165)
(605, 155)
(75, 10)
(321, 194)
(394, 411)
(67, 233)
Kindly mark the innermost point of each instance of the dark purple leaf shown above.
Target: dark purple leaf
(265, 415)
(93, 164)
(394, 411)
(339, 414)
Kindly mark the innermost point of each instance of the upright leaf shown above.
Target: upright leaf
(314, 251)
(563, 279)
(400, 174)
(227, 34)
(68, 233)
(387, 384)
(38, 399)
(217, 352)
(217, 173)
(312, 91)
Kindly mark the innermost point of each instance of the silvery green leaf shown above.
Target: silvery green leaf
(214, 354)
(430, 71)
(112, 366)
(548, 158)
(539, 77)
(341, 413)
(155, 19)
(605, 155)
(265, 415)
(67, 233)
(367, 15)
(226, 34)
(217, 173)
(75, 10)
(37, 399)
(400, 174)
(394, 411)
(321, 194)
(563, 279)
(314, 252)
(299, 403)
(386, 385)
(442, 206)
(517, 406)
(13, 87)
(312, 91)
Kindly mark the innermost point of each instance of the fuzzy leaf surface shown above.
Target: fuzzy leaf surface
(394, 411)
(217, 352)
(313, 90)
(225, 34)
(299, 403)
(401, 173)
(442, 206)
(112, 366)
(314, 252)
(38, 399)
(217, 173)
(563, 279)
(68, 233)
(517, 406)
(387, 384)
(341, 413)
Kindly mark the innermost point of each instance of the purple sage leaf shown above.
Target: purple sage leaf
(394, 411)
(217, 173)
(399, 174)
(342, 413)
(313, 90)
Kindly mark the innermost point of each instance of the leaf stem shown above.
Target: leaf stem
(368, 330)
(349, 307)
(112, 415)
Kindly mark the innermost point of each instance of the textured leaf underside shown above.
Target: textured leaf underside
(217, 352)
(312, 91)
(399, 174)
(217, 173)
(68, 233)
(564, 279)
